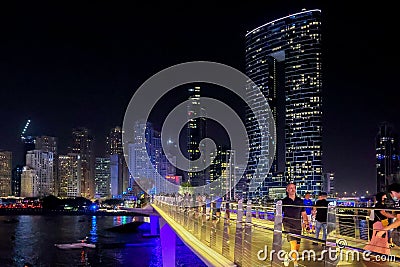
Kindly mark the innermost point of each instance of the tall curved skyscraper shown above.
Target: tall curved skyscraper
(283, 57)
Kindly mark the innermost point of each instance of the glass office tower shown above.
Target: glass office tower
(283, 57)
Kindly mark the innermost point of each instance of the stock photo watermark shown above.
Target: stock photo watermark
(151, 91)
(331, 254)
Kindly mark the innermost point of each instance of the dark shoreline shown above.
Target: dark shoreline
(64, 212)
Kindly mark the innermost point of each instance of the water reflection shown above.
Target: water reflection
(93, 230)
(32, 238)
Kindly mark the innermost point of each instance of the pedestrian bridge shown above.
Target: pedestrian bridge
(252, 235)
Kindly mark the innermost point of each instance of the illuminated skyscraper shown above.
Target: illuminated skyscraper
(224, 169)
(70, 174)
(196, 131)
(144, 147)
(102, 178)
(39, 165)
(16, 180)
(50, 144)
(329, 183)
(114, 142)
(387, 157)
(119, 167)
(288, 49)
(83, 145)
(5, 173)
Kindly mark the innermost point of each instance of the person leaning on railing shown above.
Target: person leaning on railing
(392, 202)
(380, 213)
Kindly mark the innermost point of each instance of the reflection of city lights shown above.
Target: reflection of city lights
(93, 230)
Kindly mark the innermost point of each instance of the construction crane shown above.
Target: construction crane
(24, 130)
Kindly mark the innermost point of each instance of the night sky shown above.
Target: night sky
(70, 66)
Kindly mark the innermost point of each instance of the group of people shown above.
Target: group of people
(384, 220)
(301, 215)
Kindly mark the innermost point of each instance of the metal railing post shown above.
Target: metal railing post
(247, 236)
(225, 234)
(238, 250)
(277, 237)
(330, 243)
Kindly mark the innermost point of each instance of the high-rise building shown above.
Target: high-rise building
(329, 183)
(47, 144)
(150, 173)
(83, 145)
(102, 178)
(114, 142)
(69, 171)
(288, 49)
(196, 131)
(141, 171)
(5, 173)
(40, 164)
(50, 144)
(30, 184)
(116, 175)
(28, 143)
(387, 157)
(224, 169)
(119, 167)
(16, 180)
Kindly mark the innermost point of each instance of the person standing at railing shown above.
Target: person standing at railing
(378, 243)
(293, 210)
(321, 206)
(392, 202)
(380, 214)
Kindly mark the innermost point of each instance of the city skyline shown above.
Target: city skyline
(83, 65)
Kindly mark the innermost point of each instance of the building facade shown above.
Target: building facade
(5, 173)
(152, 173)
(387, 157)
(114, 142)
(288, 49)
(329, 183)
(50, 144)
(16, 180)
(102, 178)
(196, 131)
(30, 183)
(40, 164)
(83, 145)
(70, 175)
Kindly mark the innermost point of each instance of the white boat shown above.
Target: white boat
(75, 245)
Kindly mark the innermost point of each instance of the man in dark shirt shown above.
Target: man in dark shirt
(293, 210)
(321, 207)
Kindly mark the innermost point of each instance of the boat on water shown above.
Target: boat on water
(75, 245)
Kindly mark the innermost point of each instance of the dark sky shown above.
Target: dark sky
(64, 66)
